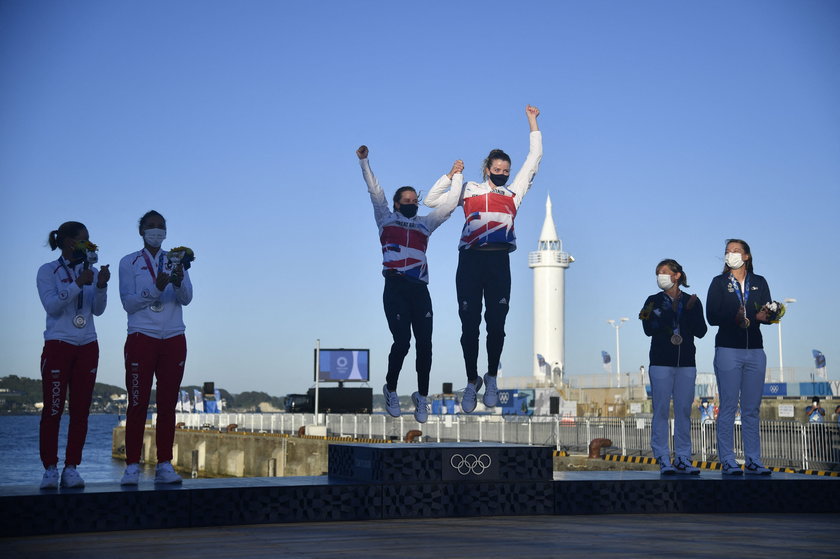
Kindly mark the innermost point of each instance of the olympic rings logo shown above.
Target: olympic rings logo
(504, 397)
(470, 464)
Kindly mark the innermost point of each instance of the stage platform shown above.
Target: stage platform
(402, 481)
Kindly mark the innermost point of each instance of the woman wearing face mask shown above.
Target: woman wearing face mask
(672, 319)
(404, 236)
(483, 259)
(153, 294)
(72, 292)
(735, 305)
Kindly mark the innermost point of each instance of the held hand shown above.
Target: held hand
(104, 276)
(761, 316)
(85, 278)
(177, 276)
(457, 167)
(362, 152)
(162, 280)
(532, 112)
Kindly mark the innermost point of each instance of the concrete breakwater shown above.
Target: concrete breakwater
(244, 454)
(235, 454)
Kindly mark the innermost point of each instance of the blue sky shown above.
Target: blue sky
(668, 128)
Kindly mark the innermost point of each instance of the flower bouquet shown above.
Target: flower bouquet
(644, 314)
(775, 311)
(180, 255)
(87, 250)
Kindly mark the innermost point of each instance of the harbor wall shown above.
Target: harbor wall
(235, 454)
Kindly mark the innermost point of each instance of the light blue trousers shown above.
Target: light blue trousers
(667, 383)
(740, 378)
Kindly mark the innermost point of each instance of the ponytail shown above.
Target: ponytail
(66, 230)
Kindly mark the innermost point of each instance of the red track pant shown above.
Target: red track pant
(147, 358)
(66, 367)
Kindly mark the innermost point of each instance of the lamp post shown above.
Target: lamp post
(781, 362)
(617, 324)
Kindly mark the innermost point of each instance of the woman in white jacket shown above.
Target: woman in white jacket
(153, 294)
(72, 292)
(404, 236)
(483, 262)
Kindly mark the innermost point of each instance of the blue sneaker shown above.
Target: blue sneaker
(421, 407)
(756, 468)
(665, 466)
(683, 466)
(731, 468)
(470, 397)
(491, 391)
(392, 402)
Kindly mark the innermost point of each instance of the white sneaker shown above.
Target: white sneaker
(165, 473)
(392, 402)
(470, 397)
(421, 407)
(131, 475)
(491, 391)
(71, 478)
(50, 478)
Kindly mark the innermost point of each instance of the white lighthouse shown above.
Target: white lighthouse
(549, 263)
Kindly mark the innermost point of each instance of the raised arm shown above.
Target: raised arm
(446, 204)
(377, 197)
(525, 176)
(437, 195)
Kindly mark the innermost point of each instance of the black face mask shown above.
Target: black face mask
(408, 210)
(498, 180)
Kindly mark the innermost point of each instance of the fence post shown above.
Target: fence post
(623, 425)
(804, 446)
(530, 433)
(194, 465)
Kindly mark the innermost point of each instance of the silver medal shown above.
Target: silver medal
(676, 339)
(157, 306)
(79, 321)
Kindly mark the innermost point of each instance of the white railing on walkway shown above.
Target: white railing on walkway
(783, 443)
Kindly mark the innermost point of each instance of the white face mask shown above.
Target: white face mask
(154, 237)
(734, 260)
(664, 281)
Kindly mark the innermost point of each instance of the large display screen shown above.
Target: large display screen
(344, 365)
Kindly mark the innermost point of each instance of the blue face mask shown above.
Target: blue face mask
(408, 210)
(498, 180)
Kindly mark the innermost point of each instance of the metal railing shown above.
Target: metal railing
(786, 444)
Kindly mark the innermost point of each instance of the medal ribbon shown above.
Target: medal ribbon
(149, 264)
(678, 314)
(80, 299)
(743, 296)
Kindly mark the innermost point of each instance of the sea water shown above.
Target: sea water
(20, 463)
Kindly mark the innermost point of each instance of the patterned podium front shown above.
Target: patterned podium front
(450, 479)
(419, 462)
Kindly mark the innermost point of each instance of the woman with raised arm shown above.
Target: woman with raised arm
(738, 303)
(672, 319)
(483, 259)
(153, 289)
(72, 292)
(404, 236)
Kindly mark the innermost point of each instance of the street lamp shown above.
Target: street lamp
(781, 363)
(617, 324)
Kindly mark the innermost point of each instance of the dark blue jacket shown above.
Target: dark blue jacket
(722, 306)
(659, 325)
